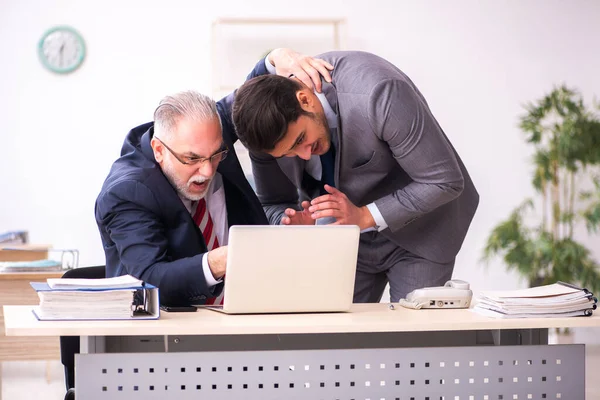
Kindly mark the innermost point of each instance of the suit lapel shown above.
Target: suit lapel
(243, 207)
(236, 189)
(331, 96)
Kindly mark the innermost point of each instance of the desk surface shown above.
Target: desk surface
(20, 321)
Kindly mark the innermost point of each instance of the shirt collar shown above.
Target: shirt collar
(329, 113)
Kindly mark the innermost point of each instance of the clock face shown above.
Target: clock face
(61, 49)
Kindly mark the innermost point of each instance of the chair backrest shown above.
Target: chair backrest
(97, 272)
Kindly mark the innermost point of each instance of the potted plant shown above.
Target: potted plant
(541, 245)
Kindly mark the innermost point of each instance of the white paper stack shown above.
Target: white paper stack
(556, 300)
(123, 297)
(108, 304)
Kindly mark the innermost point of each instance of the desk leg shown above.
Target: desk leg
(87, 345)
(48, 373)
(92, 344)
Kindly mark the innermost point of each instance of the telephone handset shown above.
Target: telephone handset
(454, 294)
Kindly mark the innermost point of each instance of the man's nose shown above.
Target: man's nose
(304, 152)
(206, 168)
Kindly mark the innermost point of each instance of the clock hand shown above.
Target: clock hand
(61, 50)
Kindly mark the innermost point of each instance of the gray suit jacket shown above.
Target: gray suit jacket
(389, 150)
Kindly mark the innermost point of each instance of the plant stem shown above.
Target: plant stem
(564, 223)
(572, 204)
(555, 201)
(544, 205)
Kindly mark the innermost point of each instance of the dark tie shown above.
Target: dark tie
(328, 167)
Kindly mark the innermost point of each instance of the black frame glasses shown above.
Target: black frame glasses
(214, 159)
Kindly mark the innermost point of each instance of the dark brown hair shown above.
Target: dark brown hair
(263, 108)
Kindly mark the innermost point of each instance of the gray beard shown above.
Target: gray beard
(180, 187)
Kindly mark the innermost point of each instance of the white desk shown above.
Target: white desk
(370, 353)
(362, 318)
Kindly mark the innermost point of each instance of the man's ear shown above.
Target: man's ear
(306, 99)
(158, 149)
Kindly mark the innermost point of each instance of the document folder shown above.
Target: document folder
(96, 303)
(549, 301)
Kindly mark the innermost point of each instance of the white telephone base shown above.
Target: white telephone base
(454, 294)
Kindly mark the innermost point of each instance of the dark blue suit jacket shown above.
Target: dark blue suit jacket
(146, 230)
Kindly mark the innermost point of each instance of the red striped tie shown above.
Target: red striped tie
(204, 221)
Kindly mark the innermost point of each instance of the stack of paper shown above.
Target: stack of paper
(556, 300)
(123, 297)
(115, 304)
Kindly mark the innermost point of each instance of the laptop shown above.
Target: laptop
(290, 269)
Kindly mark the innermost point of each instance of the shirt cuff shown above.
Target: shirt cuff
(380, 223)
(208, 276)
(270, 67)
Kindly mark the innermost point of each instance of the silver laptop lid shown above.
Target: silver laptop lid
(275, 269)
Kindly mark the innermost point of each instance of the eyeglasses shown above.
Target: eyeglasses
(185, 160)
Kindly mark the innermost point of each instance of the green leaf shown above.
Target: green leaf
(592, 217)
(565, 134)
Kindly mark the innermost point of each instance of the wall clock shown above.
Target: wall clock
(61, 49)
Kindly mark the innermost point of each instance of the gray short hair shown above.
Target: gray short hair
(184, 105)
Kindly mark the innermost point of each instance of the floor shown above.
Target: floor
(43, 380)
(25, 380)
(592, 364)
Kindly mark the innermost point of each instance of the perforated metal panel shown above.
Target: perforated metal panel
(451, 373)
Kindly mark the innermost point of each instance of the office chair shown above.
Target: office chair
(69, 345)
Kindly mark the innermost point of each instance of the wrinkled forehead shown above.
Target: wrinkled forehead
(203, 135)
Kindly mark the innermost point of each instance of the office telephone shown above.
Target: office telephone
(454, 294)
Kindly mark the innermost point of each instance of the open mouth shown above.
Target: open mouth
(199, 186)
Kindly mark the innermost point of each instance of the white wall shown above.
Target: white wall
(476, 62)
